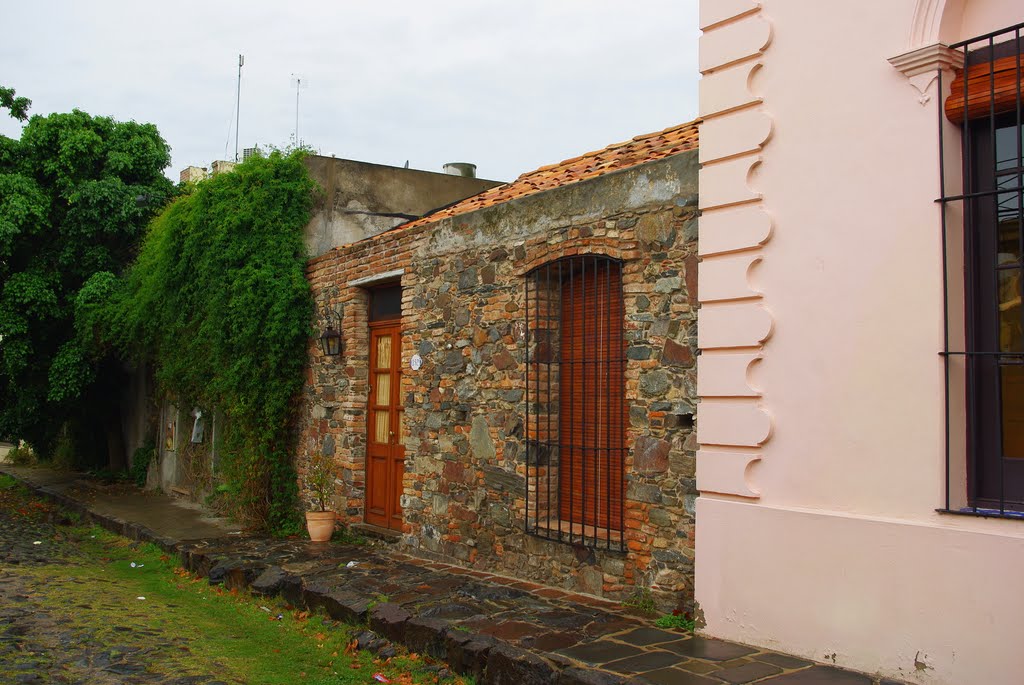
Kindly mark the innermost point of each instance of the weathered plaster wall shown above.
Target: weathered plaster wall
(463, 313)
(362, 199)
(831, 475)
(139, 410)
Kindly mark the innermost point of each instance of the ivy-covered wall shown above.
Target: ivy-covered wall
(217, 302)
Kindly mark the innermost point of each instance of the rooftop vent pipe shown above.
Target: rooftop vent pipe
(460, 169)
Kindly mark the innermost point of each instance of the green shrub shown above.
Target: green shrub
(320, 481)
(141, 460)
(676, 620)
(64, 453)
(21, 456)
(641, 600)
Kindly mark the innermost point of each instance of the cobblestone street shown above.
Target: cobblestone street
(37, 644)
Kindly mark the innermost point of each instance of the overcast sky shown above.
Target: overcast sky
(509, 86)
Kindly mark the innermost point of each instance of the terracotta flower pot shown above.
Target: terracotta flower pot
(320, 525)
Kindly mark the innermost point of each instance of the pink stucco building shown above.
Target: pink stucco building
(861, 460)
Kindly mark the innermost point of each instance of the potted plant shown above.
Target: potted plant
(320, 483)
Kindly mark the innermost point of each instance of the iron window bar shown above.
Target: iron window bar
(983, 369)
(575, 414)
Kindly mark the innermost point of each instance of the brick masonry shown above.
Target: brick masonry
(463, 312)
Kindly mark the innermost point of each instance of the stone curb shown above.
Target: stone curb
(488, 660)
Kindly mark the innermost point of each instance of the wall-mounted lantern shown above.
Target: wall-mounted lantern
(330, 339)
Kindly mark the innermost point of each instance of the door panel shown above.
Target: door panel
(385, 454)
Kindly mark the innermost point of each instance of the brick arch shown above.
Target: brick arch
(544, 253)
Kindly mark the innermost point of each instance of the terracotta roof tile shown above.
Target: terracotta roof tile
(629, 153)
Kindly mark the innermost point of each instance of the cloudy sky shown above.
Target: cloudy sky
(510, 86)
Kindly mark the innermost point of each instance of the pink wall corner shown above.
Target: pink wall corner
(844, 310)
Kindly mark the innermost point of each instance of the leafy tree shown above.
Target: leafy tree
(76, 192)
(18, 107)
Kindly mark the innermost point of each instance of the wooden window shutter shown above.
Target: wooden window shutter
(994, 85)
(593, 408)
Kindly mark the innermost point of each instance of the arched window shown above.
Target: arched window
(576, 410)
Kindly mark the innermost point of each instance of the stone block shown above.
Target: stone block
(276, 582)
(656, 229)
(507, 665)
(341, 605)
(468, 278)
(650, 454)
(218, 571)
(390, 621)
(506, 481)
(644, 492)
(668, 285)
(655, 383)
(243, 575)
(590, 580)
(480, 439)
(614, 567)
(660, 517)
(466, 653)
(640, 352)
(426, 636)
(674, 354)
(500, 515)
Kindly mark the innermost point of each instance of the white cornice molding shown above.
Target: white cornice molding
(922, 66)
(927, 59)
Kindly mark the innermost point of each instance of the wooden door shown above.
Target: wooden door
(592, 396)
(385, 453)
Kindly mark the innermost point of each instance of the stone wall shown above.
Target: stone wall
(463, 313)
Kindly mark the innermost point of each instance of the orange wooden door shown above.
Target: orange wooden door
(385, 453)
(592, 397)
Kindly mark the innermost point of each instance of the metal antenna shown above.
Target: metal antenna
(238, 102)
(299, 82)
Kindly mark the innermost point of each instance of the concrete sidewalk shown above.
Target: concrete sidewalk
(167, 517)
(500, 630)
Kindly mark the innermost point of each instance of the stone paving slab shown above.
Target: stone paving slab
(498, 629)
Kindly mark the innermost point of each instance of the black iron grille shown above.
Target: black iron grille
(986, 374)
(576, 409)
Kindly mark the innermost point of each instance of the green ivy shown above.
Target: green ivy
(219, 302)
(141, 460)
